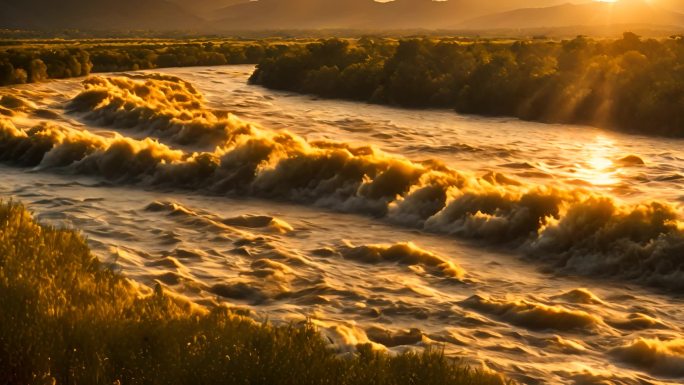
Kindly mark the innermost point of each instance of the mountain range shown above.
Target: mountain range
(226, 16)
(359, 14)
(624, 12)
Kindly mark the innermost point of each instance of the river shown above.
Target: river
(477, 235)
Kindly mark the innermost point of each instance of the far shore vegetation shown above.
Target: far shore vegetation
(629, 84)
(29, 61)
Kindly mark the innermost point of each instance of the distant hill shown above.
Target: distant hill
(213, 16)
(296, 14)
(362, 14)
(205, 8)
(96, 15)
(624, 12)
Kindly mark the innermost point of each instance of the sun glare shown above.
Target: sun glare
(598, 167)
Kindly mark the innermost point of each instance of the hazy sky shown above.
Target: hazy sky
(225, 15)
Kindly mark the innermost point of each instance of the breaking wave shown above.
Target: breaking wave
(574, 230)
(160, 105)
(533, 316)
(653, 355)
(403, 253)
(263, 222)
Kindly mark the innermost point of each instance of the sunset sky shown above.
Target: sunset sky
(236, 15)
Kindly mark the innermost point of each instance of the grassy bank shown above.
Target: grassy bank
(64, 319)
(630, 84)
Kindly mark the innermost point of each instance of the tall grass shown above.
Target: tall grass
(64, 319)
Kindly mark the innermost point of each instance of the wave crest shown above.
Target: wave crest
(656, 356)
(160, 105)
(403, 253)
(575, 230)
(534, 316)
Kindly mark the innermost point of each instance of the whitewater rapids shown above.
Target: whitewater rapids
(551, 253)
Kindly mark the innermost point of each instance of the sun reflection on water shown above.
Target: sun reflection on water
(596, 165)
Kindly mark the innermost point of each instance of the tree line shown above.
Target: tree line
(630, 83)
(27, 64)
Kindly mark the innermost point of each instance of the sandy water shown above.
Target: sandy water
(373, 278)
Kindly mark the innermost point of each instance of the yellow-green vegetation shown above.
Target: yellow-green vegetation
(65, 319)
(630, 84)
(28, 61)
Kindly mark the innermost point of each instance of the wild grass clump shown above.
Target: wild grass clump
(64, 319)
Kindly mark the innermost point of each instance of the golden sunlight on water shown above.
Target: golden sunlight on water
(596, 165)
(411, 274)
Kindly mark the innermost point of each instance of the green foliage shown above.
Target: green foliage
(22, 64)
(64, 319)
(629, 84)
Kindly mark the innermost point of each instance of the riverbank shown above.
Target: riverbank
(66, 319)
(629, 84)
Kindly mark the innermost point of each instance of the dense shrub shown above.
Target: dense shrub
(20, 64)
(630, 83)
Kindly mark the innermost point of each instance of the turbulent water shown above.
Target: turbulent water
(551, 253)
